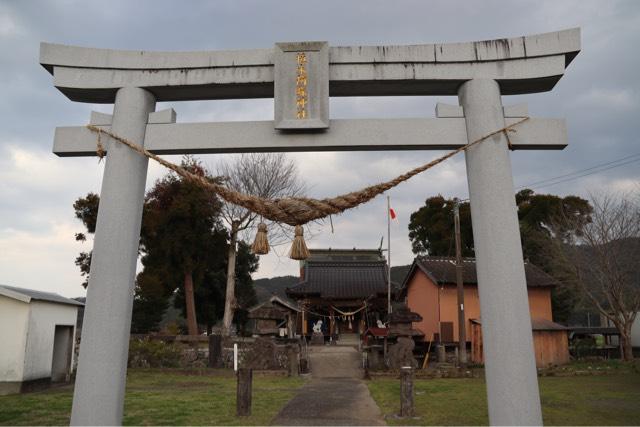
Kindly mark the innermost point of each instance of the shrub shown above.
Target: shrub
(583, 347)
(146, 353)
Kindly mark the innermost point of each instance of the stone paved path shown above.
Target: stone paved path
(335, 395)
(331, 402)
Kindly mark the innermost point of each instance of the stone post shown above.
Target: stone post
(215, 351)
(294, 362)
(512, 383)
(441, 350)
(243, 392)
(102, 366)
(406, 391)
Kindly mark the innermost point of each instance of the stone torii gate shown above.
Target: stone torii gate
(301, 77)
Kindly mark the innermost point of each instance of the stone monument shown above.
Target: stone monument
(318, 336)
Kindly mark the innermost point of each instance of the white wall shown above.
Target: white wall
(14, 316)
(635, 332)
(44, 316)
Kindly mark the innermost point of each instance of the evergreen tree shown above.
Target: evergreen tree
(86, 210)
(431, 228)
(181, 235)
(431, 232)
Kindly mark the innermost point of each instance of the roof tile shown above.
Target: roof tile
(443, 270)
(342, 280)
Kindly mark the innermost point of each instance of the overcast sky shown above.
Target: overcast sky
(598, 96)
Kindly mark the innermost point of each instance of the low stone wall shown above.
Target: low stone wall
(262, 353)
(181, 351)
(432, 373)
(244, 346)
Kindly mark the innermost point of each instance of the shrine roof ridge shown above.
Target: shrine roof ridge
(339, 279)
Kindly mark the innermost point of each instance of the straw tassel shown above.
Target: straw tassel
(100, 148)
(261, 243)
(299, 249)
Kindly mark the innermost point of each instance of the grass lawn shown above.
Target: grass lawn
(177, 398)
(161, 398)
(612, 399)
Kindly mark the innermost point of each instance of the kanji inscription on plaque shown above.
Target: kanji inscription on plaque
(301, 85)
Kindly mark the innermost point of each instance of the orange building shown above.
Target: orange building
(430, 290)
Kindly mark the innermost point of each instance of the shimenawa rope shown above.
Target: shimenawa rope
(294, 211)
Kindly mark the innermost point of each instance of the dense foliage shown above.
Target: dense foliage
(431, 228)
(182, 243)
(541, 217)
(146, 353)
(181, 236)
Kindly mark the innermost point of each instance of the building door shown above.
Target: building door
(62, 350)
(446, 328)
(349, 324)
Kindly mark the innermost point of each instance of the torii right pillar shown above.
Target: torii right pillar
(510, 368)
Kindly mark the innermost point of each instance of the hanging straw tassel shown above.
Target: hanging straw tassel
(299, 249)
(261, 243)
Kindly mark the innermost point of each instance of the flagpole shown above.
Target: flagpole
(388, 256)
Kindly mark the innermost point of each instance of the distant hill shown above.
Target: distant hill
(398, 273)
(277, 285)
(274, 285)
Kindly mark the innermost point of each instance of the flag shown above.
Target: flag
(392, 213)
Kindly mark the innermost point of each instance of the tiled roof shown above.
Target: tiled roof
(26, 295)
(274, 301)
(443, 270)
(342, 280)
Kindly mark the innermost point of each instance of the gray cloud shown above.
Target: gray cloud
(599, 97)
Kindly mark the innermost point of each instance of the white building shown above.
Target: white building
(37, 333)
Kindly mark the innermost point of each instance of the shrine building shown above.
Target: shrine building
(345, 288)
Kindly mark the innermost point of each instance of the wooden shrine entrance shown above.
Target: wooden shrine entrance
(345, 288)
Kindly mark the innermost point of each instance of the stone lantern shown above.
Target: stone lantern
(401, 353)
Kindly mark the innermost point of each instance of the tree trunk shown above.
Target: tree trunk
(230, 298)
(626, 353)
(192, 324)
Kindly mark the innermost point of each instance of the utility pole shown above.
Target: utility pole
(388, 274)
(462, 332)
(389, 256)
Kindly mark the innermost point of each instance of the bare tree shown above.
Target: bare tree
(604, 260)
(270, 175)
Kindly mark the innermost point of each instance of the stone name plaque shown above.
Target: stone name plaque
(301, 85)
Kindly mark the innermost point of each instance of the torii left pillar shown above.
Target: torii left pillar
(102, 365)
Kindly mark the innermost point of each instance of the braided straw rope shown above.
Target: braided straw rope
(294, 210)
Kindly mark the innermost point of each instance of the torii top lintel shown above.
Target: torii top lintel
(521, 65)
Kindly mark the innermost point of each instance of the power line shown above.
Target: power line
(581, 173)
(635, 158)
